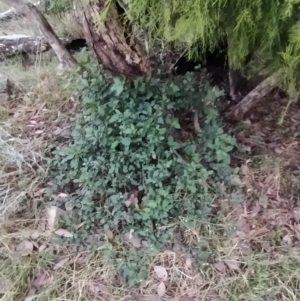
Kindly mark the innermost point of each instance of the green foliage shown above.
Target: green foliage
(128, 140)
(268, 28)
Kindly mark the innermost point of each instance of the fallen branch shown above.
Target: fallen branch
(255, 95)
(17, 44)
(13, 14)
(64, 56)
(12, 45)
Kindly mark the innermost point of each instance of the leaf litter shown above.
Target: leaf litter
(63, 233)
(61, 264)
(25, 248)
(133, 239)
(233, 265)
(161, 273)
(97, 290)
(42, 280)
(220, 266)
(161, 289)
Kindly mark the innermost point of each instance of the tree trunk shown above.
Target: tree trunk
(111, 43)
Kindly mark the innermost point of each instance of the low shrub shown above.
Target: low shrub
(133, 163)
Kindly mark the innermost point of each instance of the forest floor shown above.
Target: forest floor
(257, 245)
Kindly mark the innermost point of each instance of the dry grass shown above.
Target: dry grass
(35, 117)
(254, 250)
(254, 254)
(57, 274)
(65, 25)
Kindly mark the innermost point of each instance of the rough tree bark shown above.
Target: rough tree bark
(113, 46)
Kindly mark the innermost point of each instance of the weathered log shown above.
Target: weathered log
(256, 95)
(64, 56)
(13, 14)
(15, 44)
(112, 42)
(12, 45)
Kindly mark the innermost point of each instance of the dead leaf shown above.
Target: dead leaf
(25, 248)
(57, 131)
(220, 266)
(52, 216)
(132, 201)
(161, 272)
(98, 288)
(246, 148)
(297, 230)
(296, 214)
(39, 132)
(109, 235)
(243, 225)
(133, 239)
(247, 122)
(241, 234)
(35, 244)
(245, 249)
(39, 192)
(42, 248)
(236, 181)
(63, 233)
(245, 169)
(42, 280)
(266, 246)
(254, 232)
(288, 240)
(61, 263)
(35, 235)
(233, 265)
(62, 195)
(188, 262)
(161, 289)
(255, 210)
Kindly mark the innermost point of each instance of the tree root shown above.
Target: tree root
(256, 95)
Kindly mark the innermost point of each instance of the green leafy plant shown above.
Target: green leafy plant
(131, 164)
